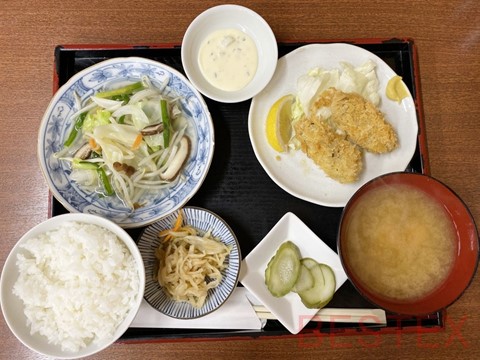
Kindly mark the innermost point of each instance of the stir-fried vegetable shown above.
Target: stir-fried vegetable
(127, 141)
(74, 132)
(126, 90)
(166, 122)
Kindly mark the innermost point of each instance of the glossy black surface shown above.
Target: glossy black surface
(238, 189)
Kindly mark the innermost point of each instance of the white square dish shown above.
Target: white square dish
(289, 309)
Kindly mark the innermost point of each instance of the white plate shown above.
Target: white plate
(294, 171)
(289, 309)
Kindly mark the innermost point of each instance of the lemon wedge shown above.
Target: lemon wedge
(396, 89)
(279, 123)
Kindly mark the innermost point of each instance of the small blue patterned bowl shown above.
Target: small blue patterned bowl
(55, 127)
(202, 220)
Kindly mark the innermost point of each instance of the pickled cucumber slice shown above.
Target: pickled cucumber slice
(323, 289)
(305, 280)
(283, 269)
(309, 262)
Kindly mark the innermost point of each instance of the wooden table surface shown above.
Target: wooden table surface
(447, 35)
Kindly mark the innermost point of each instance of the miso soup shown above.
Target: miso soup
(400, 242)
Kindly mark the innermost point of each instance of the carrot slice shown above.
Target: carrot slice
(165, 234)
(93, 144)
(179, 221)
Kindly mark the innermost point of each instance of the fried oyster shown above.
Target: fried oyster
(332, 152)
(363, 123)
(338, 128)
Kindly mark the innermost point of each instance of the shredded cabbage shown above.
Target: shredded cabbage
(362, 80)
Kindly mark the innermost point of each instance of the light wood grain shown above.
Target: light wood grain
(447, 34)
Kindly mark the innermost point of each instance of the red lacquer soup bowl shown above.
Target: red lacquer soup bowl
(458, 271)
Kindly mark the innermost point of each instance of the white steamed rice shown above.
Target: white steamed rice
(77, 283)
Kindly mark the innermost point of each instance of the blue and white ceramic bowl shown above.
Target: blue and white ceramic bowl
(202, 220)
(55, 127)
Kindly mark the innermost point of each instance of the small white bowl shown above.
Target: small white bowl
(230, 17)
(289, 309)
(13, 308)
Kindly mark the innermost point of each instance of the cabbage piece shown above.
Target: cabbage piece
(361, 80)
(83, 177)
(312, 84)
(155, 142)
(146, 93)
(112, 152)
(139, 119)
(124, 134)
(116, 141)
(307, 89)
(152, 109)
(107, 104)
(351, 81)
(297, 109)
(96, 118)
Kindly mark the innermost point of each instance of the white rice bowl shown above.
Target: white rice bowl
(72, 285)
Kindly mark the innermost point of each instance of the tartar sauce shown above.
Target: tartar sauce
(228, 59)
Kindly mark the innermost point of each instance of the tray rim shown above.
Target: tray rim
(422, 153)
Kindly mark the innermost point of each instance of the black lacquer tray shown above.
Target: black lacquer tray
(239, 190)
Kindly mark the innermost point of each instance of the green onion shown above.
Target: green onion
(124, 97)
(83, 165)
(102, 175)
(73, 133)
(105, 182)
(120, 91)
(166, 123)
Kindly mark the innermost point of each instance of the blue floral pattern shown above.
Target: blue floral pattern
(56, 125)
(203, 220)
